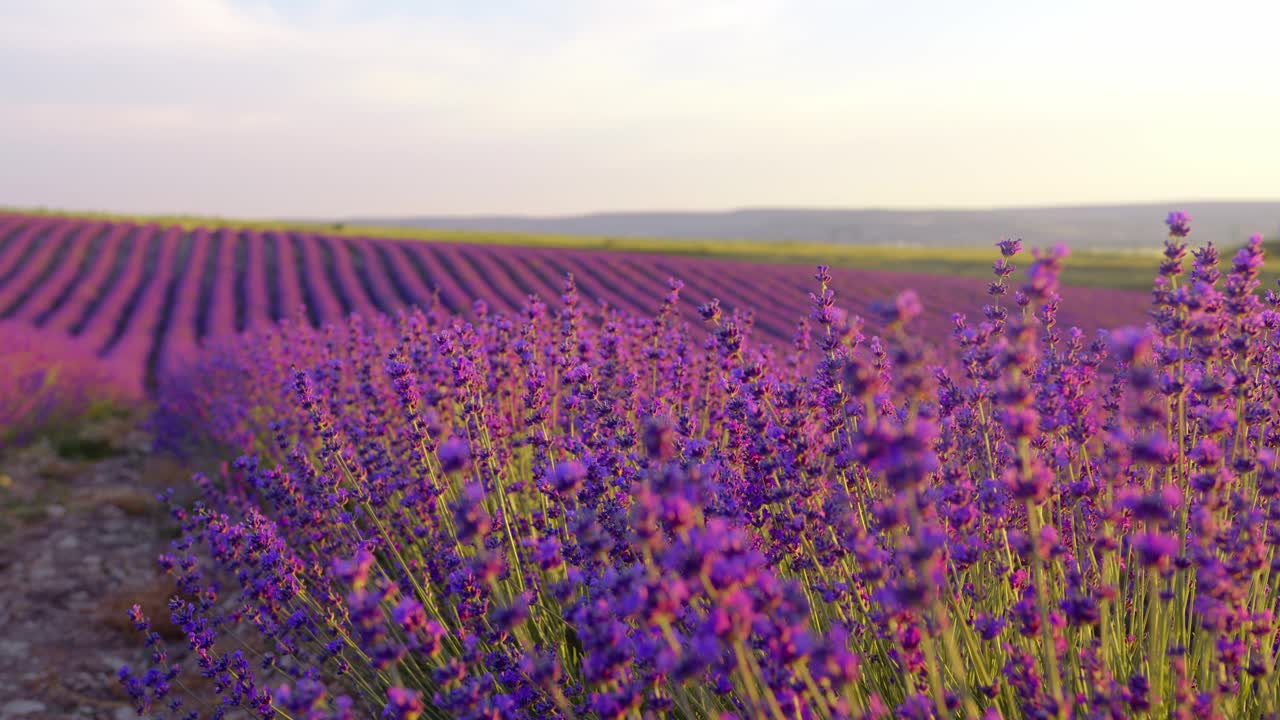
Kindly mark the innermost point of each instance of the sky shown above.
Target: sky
(334, 108)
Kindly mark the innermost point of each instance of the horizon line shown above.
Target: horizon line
(357, 218)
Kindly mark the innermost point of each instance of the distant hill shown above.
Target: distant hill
(1081, 227)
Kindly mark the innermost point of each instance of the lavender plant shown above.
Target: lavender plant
(46, 381)
(579, 513)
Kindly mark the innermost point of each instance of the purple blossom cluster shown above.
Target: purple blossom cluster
(574, 512)
(45, 380)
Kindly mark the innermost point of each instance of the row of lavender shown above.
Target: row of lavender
(46, 381)
(144, 298)
(532, 515)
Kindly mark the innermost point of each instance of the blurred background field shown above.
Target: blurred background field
(1129, 266)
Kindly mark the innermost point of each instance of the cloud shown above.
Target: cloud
(87, 28)
(400, 106)
(611, 61)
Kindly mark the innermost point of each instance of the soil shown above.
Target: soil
(79, 538)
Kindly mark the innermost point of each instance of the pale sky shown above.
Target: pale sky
(344, 107)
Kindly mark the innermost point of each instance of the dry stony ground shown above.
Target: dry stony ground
(78, 540)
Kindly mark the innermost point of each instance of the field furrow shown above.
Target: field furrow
(110, 317)
(54, 253)
(58, 287)
(89, 285)
(179, 276)
(17, 253)
(478, 277)
(259, 309)
(357, 297)
(318, 284)
(225, 304)
(459, 277)
(403, 278)
(182, 336)
(288, 282)
(149, 299)
(428, 275)
(138, 326)
(383, 290)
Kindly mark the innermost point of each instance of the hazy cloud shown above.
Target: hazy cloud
(358, 107)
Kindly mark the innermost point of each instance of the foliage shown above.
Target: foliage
(534, 515)
(47, 383)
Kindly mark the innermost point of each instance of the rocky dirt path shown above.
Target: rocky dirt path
(78, 542)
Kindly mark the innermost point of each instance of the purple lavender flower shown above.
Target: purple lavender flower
(454, 455)
(567, 476)
(1156, 550)
(1009, 247)
(1179, 223)
(403, 704)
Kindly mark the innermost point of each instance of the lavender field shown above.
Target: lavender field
(663, 360)
(454, 481)
(144, 298)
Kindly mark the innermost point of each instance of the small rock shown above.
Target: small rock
(15, 708)
(14, 648)
(59, 470)
(42, 568)
(139, 442)
(17, 487)
(35, 456)
(113, 663)
(125, 712)
(131, 501)
(70, 542)
(55, 511)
